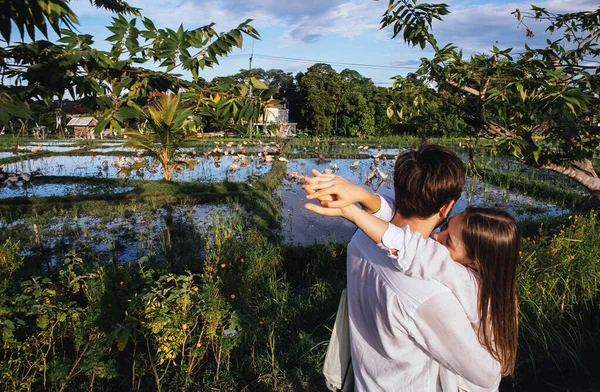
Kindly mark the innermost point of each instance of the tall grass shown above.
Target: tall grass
(559, 295)
(222, 305)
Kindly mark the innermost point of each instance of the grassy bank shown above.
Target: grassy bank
(222, 305)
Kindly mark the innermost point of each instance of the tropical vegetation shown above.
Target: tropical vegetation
(541, 104)
(221, 302)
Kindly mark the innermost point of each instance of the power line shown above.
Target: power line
(358, 65)
(297, 60)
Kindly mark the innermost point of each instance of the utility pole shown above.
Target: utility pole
(250, 70)
(250, 122)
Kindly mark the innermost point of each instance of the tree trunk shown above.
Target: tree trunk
(168, 171)
(582, 172)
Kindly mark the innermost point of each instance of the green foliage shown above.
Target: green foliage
(321, 90)
(31, 15)
(52, 315)
(165, 133)
(559, 282)
(345, 104)
(225, 306)
(112, 82)
(413, 20)
(10, 261)
(180, 318)
(541, 106)
(423, 109)
(9, 107)
(118, 6)
(565, 193)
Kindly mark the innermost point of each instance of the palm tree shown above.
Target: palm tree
(164, 133)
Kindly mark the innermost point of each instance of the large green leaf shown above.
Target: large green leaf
(32, 15)
(258, 84)
(10, 108)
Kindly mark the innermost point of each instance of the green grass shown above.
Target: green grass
(540, 189)
(167, 313)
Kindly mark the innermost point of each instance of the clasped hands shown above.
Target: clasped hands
(336, 195)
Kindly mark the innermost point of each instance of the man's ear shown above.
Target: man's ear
(446, 208)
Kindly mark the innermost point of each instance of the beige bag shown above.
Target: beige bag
(338, 365)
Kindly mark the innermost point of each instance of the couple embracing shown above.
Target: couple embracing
(431, 302)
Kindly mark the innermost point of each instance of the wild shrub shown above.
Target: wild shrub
(53, 334)
(558, 294)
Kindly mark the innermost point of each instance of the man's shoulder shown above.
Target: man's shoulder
(407, 289)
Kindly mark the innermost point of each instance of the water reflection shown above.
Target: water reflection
(303, 227)
(126, 237)
(205, 169)
(50, 190)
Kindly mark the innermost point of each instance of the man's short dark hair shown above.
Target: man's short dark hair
(426, 179)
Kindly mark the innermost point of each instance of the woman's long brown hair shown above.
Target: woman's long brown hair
(491, 238)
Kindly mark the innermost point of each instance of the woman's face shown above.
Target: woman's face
(450, 235)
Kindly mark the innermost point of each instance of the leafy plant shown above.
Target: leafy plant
(559, 282)
(164, 133)
(541, 106)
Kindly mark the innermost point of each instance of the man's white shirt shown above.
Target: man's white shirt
(409, 334)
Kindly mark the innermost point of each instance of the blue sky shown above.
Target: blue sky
(333, 31)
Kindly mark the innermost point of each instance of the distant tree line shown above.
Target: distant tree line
(321, 101)
(325, 102)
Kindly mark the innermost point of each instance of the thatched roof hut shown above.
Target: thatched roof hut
(83, 126)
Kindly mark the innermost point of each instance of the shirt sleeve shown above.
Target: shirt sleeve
(442, 330)
(387, 210)
(427, 259)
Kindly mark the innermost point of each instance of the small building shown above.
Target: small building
(280, 118)
(83, 127)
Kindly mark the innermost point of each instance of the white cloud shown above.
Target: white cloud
(347, 20)
(190, 13)
(304, 21)
(290, 11)
(476, 27)
(84, 8)
(565, 6)
(473, 25)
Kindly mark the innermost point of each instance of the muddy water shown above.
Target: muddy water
(301, 226)
(123, 238)
(48, 190)
(108, 166)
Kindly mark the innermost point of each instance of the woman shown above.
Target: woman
(479, 245)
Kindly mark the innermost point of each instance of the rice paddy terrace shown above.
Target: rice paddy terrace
(230, 230)
(60, 171)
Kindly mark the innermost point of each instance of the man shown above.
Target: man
(407, 334)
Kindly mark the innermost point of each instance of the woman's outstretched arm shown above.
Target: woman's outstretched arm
(337, 192)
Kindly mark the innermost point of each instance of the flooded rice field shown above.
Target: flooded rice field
(4, 154)
(223, 163)
(211, 169)
(348, 149)
(302, 227)
(126, 236)
(50, 190)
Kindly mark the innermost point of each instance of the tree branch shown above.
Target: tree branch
(466, 89)
(581, 172)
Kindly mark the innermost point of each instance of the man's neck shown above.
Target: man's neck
(417, 225)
